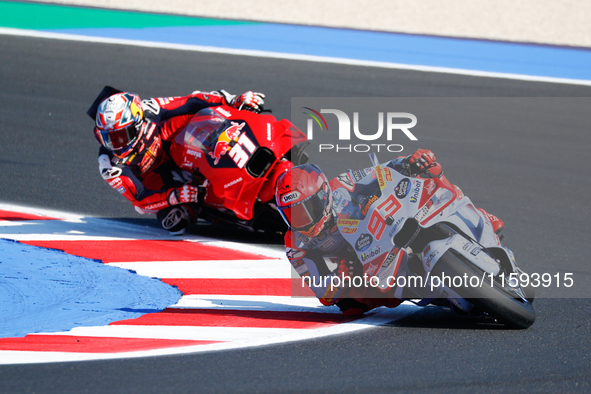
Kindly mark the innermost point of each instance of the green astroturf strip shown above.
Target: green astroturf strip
(43, 16)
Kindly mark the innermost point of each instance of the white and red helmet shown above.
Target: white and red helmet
(304, 199)
(119, 120)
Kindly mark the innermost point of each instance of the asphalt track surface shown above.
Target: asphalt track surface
(530, 172)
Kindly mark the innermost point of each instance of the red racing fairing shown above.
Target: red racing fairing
(240, 153)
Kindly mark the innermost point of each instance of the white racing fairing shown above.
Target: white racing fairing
(403, 231)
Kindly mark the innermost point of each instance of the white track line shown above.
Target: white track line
(254, 303)
(222, 334)
(219, 269)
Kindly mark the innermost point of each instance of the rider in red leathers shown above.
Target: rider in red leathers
(311, 205)
(134, 157)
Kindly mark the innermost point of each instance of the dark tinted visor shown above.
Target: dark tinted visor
(117, 140)
(305, 214)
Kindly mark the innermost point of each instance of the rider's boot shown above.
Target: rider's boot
(176, 219)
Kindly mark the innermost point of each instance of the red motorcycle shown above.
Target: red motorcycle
(240, 154)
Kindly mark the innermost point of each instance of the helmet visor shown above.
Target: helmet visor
(119, 139)
(304, 214)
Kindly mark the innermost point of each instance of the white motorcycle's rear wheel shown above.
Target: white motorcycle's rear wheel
(502, 303)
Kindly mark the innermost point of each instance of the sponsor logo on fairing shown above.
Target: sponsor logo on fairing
(371, 200)
(422, 213)
(370, 254)
(391, 258)
(380, 175)
(402, 188)
(235, 181)
(121, 190)
(388, 174)
(363, 242)
(370, 171)
(415, 191)
(395, 226)
(372, 269)
(430, 186)
(349, 230)
(236, 143)
(358, 175)
(194, 153)
(223, 112)
(348, 222)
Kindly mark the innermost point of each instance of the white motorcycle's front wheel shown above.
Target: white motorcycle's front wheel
(501, 302)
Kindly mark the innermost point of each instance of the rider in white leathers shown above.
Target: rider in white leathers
(313, 206)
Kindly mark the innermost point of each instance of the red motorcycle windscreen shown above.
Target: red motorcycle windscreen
(204, 129)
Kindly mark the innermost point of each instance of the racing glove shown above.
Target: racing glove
(424, 161)
(250, 101)
(183, 195)
(421, 159)
(348, 269)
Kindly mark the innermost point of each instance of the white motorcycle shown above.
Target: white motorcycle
(426, 241)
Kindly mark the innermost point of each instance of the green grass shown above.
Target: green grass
(44, 16)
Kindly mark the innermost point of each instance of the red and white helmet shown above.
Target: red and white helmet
(304, 199)
(119, 121)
